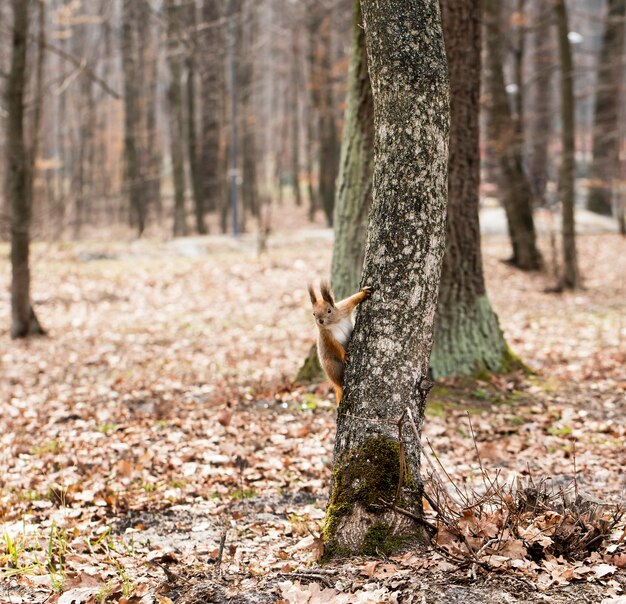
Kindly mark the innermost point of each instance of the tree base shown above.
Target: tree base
(361, 517)
(311, 370)
(599, 201)
(471, 343)
(31, 328)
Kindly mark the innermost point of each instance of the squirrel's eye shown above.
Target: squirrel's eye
(329, 311)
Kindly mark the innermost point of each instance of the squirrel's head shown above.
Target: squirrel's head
(324, 309)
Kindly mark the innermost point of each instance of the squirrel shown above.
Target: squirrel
(334, 322)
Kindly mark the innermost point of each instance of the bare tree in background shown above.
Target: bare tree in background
(506, 145)
(295, 84)
(542, 101)
(193, 150)
(570, 279)
(132, 116)
(320, 41)
(175, 113)
(245, 64)
(609, 98)
(19, 168)
(212, 92)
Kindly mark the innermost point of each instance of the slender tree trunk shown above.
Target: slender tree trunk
(312, 118)
(605, 163)
(247, 39)
(390, 346)
(19, 173)
(152, 167)
(212, 87)
(192, 148)
(132, 118)
(518, 64)
(321, 93)
(542, 102)
(175, 115)
(571, 277)
(192, 139)
(468, 338)
(514, 187)
(295, 115)
(312, 190)
(354, 190)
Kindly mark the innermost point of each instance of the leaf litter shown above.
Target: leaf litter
(155, 443)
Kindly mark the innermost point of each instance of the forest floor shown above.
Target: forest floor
(154, 448)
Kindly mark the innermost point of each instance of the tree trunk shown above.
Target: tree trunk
(320, 33)
(514, 187)
(245, 64)
(391, 343)
(312, 117)
(605, 163)
(520, 20)
(175, 116)
(19, 175)
(212, 85)
(354, 190)
(542, 101)
(295, 114)
(132, 118)
(571, 277)
(192, 139)
(468, 338)
(151, 92)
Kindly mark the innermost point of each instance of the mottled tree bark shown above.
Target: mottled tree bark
(391, 343)
(604, 168)
(570, 278)
(514, 187)
(175, 116)
(354, 187)
(468, 338)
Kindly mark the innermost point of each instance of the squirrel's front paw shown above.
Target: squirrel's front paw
(367, 290)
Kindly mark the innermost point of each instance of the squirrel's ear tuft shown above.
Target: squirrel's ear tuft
(311, 294)
(327, 294)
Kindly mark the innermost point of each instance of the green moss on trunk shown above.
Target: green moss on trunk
(366, 477)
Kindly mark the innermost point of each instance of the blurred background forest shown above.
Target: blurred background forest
(181, 117)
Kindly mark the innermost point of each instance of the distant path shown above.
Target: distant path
(493, 222)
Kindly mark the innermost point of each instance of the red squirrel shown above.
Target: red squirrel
(334, 322)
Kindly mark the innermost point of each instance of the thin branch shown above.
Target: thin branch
(82, 65)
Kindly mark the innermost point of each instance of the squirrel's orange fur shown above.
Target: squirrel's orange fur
(334, 322)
